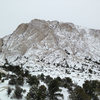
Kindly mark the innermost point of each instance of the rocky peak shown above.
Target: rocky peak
(50, 40)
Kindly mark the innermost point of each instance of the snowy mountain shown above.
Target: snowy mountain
(54, 48)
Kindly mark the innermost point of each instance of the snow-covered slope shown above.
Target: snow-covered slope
(54, 48)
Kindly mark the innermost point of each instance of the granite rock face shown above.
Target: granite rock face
(51, 41)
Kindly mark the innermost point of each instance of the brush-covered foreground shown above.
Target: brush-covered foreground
(20, 84)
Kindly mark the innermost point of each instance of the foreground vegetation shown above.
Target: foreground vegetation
(50, 90)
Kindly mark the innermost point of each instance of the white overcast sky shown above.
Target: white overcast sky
(80, 12)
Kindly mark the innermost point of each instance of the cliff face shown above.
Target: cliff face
(50, 40)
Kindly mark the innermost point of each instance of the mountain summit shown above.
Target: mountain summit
(50, 40)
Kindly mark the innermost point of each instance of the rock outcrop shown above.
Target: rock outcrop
(51, 41)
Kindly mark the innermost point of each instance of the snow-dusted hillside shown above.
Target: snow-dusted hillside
(54, 48)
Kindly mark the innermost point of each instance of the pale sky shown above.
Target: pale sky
(80, 12)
